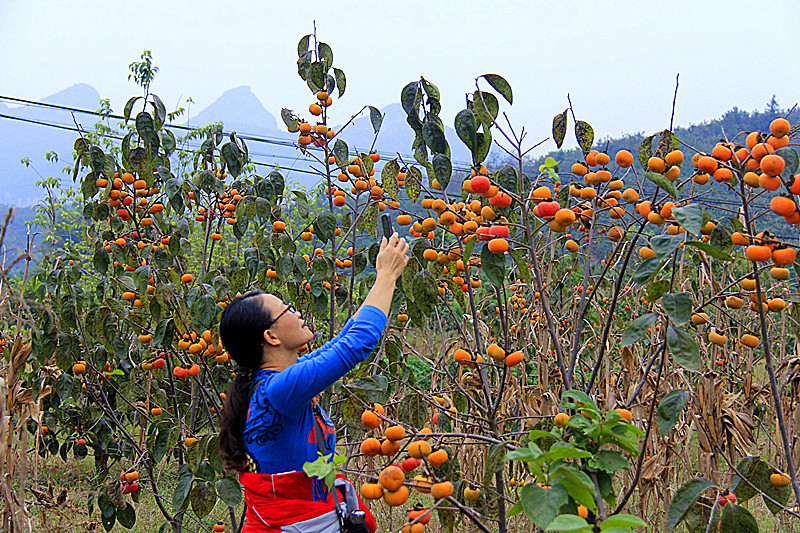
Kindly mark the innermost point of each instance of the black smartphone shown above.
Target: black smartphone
(386, 222)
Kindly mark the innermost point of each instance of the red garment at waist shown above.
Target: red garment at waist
(278, 500)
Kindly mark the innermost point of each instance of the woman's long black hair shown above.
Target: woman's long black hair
(241, 330)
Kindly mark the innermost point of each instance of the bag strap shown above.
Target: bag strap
(324, 451)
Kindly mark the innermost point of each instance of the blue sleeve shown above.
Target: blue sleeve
(291, 389)
(328, 344)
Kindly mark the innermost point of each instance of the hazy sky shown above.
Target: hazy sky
(617, 59)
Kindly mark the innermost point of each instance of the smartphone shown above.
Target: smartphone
(386, 222)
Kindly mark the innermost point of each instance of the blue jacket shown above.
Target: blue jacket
(279, 432)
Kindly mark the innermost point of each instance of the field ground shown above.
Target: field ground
(75, 477)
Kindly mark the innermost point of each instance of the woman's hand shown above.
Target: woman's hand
(389, 264)
(392, 257)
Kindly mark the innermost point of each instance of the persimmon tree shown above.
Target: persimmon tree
(559, 338)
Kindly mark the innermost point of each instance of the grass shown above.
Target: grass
(75, 480)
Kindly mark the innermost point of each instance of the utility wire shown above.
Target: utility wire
(117, 137)
(457, 165)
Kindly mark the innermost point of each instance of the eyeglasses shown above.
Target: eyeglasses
(289, 309)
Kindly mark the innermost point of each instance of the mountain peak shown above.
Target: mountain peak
(80, 95)
(239, 109)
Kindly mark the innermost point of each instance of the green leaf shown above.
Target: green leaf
(609, 461)
(341, 80)
(522, 266)
(108, 521)
(683, 348)
(368, 223)
(584, 134)
(483, 143)
(412, 410)
(371, 389)
(483, 102)
(542, 505)
(664, 245)
(561, 450)
(100, 260)
(494, 266)
(389, 179)
(203, 498)
(409, 97)
(442, 169)
(720, 238)
(758, 472)
(375, 118)
(426, 294)
(656, 290)
(290, 119)
(669, 409)
(204, 310)
(301, 204)
(743, 489)
(501, 85)
(466, 125)
(646, 150)
(637, 329)
(646, 270)
(433, 134)
(737, 519)
(231, 155)
(662, 181)
(325, 225)
(684, 498)
(126, 516)
(560, 128)
(690, 217)
(622, 520)
(340, 152)
(185, 479)
(515, 509)
(325, 54)
(229, 490)
(159, 110)
(711, 250)
(568, 522)
(413, 183)
(791, 161)
(529, 454)
(678, 306)
(302, 46)
(89, 186)
(322, 468)
(129, 107)
(579, 486)
(315, 76)
(580, 396)
(146, 129)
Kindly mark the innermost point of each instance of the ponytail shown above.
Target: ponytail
(233, 418)
(241, 330)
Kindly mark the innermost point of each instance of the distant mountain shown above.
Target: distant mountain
(237, 107)
(26, 139)
(241, 111)
(80, 96)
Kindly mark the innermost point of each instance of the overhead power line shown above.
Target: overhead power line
(457, 165)
(117, 137)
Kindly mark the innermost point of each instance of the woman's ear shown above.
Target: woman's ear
(270, 339)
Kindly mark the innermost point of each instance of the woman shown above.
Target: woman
(270, 423)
